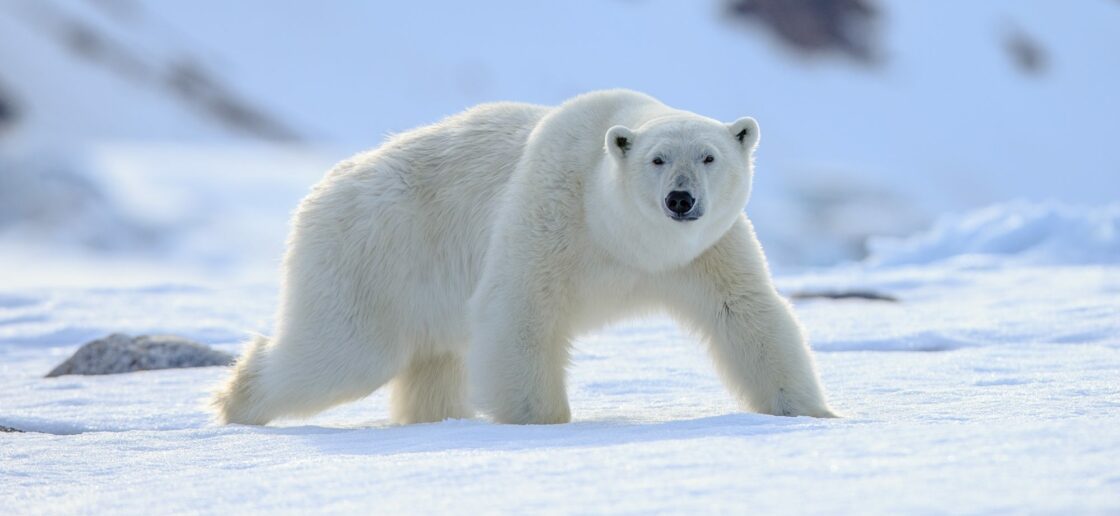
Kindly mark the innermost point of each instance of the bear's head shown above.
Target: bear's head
(685, 176)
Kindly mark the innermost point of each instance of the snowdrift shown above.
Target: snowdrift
(1022, 232)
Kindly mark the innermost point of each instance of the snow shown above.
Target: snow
(45, 78)
(990, 386)
(147, 213)
(1051, 233)
(985, 389)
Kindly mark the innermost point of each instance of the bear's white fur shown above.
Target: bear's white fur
(494, 237)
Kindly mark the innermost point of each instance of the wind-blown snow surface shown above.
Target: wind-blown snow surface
(990, 387)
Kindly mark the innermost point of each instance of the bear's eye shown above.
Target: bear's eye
(658, 161)
(709, 159)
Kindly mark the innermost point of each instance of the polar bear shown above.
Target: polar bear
(486, 242)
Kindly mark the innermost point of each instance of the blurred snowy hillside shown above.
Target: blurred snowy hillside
(171, 139)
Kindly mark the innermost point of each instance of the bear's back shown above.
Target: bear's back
(486, 140)
(573, 133)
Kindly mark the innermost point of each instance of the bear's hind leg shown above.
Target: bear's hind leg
(239, 399)
(431, 388)
(299, 379)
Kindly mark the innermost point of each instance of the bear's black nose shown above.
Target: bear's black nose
(679, 202)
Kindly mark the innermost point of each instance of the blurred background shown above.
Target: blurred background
(145, 140)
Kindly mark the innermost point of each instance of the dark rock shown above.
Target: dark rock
(119, 353)
(1025, 51)
(846, 27)
(865, 295)
(8, 429)
(7, 110)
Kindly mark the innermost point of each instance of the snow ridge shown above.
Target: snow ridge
(1048, 233)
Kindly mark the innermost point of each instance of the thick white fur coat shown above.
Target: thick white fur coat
(464, 257)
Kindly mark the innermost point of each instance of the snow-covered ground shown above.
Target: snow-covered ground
(990, 386)
(138, 195)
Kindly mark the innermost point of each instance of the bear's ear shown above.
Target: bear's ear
(745, 131)
(619, 141)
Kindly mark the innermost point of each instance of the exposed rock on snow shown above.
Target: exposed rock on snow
(7, 109)
(120, 353)
(841, 26)
(866, 295)
(8, 429)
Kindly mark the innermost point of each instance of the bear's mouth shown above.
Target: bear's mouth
(684, 218)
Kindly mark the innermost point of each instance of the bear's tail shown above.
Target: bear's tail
(242, 398)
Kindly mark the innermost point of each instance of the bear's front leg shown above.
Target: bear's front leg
(756, 343)
(518, 354)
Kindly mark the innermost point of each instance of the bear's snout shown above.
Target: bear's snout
(680, 204)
